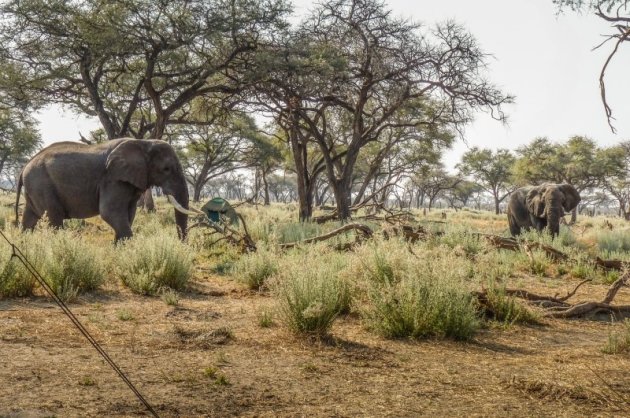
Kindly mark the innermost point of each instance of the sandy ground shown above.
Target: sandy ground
(209, 357)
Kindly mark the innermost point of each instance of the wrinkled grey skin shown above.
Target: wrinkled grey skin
(541, 206)
(74, 180)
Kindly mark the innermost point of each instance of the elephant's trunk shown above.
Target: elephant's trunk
(553, 222)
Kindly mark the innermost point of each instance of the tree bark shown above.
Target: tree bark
(265, 187)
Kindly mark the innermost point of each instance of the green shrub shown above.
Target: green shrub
(297, 231)
(463, 240)
(417, 297)
(71, 265)
(254, 269)
(310, 292)
(15, 279)
(170, 297)
(506, 309)
(265, 318)
(619, 342)
(65, 260)
(613, 241)
(148, 264)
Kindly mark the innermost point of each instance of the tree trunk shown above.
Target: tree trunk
(496, 206)
(265, 188)
(342, 197)
(305, 191)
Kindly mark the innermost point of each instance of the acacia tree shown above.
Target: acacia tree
(577, 162)
(19, 139)
(351, 70)
(491, 170)
(211, 151)
(616, 180)
(433, 182)
(137, 66)
(386, 66)
(617, 13)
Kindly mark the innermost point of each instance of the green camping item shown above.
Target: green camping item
(217, 208)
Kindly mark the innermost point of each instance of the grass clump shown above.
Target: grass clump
(67, 263)
(505, 309)
(619, 342)
(15, 279)
(256, 268)
(409, 297)
(124, 315)
(310, 292)
(149, 264)
(71, 265)
(170, 297)
(613, 241)
(265, 319)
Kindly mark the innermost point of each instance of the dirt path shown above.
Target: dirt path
(209, 357)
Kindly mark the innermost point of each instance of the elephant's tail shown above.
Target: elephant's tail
(17, 199)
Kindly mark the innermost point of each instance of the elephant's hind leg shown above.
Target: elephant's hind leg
(29, 218)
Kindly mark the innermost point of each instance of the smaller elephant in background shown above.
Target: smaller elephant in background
(541, 207)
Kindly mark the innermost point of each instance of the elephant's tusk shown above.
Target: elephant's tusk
(179, 208)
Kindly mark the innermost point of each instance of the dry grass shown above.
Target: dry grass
(224, 343)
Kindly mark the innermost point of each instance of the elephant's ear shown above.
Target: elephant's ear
(535, 202)
(571, 197)
(128, 163)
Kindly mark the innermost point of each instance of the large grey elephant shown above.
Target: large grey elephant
(74, 180)
(540, 207)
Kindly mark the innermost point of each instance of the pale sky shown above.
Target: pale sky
(544, 59)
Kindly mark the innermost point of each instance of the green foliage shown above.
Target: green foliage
(147, 264)
(310, 293)
(577, 161)
(170, 297)
(19, 138)
(613, 241)
(254, 269)
(619, 342)
(463, 239)
(71, 266)
(15, 279)
(124, 64)
(265, 319)
(66, 261)
(492, 170)
(124, 315)
(298, 231)
(506, 309)
(406, 297)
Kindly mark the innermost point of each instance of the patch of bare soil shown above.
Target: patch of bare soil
(209, 357)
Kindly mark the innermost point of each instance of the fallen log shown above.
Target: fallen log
(364, 231)
(556, 255)
(590, 309)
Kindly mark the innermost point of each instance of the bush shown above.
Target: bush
(619, 342)
(417, 297)
(310, 293)
(71, 265)
(254, 269)
(15, 279)
(65, 260)
(506, 309)
(148, 264)
(613, 241)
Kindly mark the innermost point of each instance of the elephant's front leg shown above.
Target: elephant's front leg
(540, 224)
(114, 207)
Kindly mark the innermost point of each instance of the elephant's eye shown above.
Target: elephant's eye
(166, 169)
